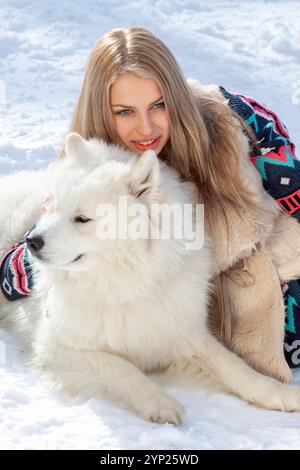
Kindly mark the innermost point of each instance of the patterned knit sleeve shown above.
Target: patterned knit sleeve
(276, 161)
(16, 272)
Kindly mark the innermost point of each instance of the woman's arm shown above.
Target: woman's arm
(274, 154)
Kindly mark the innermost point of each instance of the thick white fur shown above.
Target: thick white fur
(127, 307)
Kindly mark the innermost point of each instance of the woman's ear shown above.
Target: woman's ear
(144, 179)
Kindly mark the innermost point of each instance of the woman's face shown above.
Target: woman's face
(139, 113)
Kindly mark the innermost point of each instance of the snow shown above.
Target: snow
(251, 47)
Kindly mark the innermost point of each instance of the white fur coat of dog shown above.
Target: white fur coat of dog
(107, 312)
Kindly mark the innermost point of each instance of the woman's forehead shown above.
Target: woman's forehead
(131, 89)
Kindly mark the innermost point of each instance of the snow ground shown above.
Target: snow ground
(251, 47)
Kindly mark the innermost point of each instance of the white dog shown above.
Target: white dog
(108, 311)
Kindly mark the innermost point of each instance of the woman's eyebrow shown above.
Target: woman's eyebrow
(132, 107)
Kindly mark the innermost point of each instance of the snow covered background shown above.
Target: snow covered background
(251, 47)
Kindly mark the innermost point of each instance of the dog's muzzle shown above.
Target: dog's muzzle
(34, 244)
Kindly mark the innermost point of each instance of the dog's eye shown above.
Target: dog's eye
(81, 219)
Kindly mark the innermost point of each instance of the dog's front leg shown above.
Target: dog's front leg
(89, 374)
(284, 245)
(231, 374)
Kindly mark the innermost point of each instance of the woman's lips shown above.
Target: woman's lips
(146, 146)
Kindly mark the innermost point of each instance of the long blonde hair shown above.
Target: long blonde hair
(202, 146)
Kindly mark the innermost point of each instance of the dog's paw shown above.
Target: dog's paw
(161, 408)
(290, 397)
(281, 397)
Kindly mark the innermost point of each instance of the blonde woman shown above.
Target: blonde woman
(135, 94)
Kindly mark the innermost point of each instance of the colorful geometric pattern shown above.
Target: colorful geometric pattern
(275, 159)
(17, 277)
(15, 273)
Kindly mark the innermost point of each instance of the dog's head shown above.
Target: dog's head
(83, 215)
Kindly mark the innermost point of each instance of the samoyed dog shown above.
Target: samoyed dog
(111, 305)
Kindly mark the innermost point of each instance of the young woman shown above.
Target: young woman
(134, 94)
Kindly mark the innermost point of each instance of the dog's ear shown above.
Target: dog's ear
(144, 179)
(74, 146)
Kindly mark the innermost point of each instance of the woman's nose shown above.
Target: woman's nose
(145, 125)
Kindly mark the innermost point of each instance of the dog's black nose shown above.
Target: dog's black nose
(35, 244)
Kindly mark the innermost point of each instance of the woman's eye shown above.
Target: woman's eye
(159, 105)
(81, 219)
(124, 112)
